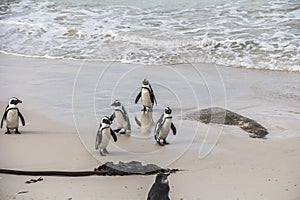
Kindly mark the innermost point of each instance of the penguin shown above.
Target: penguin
(103, 135)
(121, 116)
(147, 94)
(146, 122)
(163, 126)
(160, 188)
(11, 116)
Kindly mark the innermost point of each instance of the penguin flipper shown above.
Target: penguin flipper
(113, 134)
(137, 121)
(138, 97)
(21, 117)
(159, 123)
(173, 128)
(152, 96)
(98, 140)
(112, 117)
(150, 194)
(3, 118)
(124, 111)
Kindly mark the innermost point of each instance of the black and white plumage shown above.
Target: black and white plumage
(121, 117)
(147, 95)
(11, 116)
(163, 126)
(103, 136)
(160, 188)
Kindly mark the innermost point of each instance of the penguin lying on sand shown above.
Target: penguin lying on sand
(147, 95)
(160, 189)
(11, 116)
(163, 126)
(121, 117)
(103, 136)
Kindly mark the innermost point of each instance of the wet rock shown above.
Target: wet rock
(218, 115)
(131, 168)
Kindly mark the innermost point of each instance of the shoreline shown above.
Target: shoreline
(223, 158)
(128, 63)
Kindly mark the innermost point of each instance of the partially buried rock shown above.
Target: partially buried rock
(131, 168)
(218, 115)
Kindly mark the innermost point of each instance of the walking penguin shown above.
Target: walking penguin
(163, 126)
(160, 188)
(103, 135)
(121, 117)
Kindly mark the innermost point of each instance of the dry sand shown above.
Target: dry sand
(220, 162)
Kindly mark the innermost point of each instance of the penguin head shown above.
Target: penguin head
(14, 101)
(116, 103)
(105, 120)
(168, 110)
(145, 82)
(162, 178)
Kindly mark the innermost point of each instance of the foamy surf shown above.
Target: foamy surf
(260, 35)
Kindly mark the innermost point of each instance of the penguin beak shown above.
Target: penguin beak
(19, 101)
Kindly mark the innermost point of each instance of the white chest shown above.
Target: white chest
(146, 99)
(105, 138)
(165, 129)
(12, 119)
(121, 122)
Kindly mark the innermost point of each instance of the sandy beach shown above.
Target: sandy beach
(63, 101)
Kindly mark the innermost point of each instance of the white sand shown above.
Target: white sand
(221, 162)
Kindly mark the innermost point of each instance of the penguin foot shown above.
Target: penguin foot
(105, 150)
(160, 144)
(101, 153)
(128, 132)
(117, 130)
(122, 132)
(8, 132)
(165, 142)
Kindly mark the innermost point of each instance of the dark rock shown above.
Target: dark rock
(131, 168)
(218, 115)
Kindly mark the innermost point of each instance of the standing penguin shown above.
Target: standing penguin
(121, 116)
(11, 116)
(160, 188)
(103, 135)
(147, 95)
(163, 126)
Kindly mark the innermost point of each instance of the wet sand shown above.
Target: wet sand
(63, 101)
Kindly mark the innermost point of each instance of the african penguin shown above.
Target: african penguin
(160, 188)
(103, 135)
(147, 95)
(163, 126)
(11, 116)
(121, 117)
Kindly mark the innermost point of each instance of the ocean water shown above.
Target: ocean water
(261, 34)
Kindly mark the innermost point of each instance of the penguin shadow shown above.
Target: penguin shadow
(21, 132)
(145, 123)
